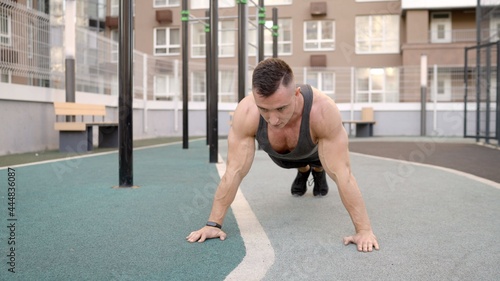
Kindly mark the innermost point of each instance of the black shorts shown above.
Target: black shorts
(289, 164)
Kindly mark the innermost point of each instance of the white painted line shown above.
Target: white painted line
(259, 253)
(460, 173)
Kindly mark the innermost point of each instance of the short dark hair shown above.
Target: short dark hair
(269, 75)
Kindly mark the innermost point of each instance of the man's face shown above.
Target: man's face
(278, 108)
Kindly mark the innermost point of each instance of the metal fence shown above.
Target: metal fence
(32, 53)
(25, 45)
(484, 101)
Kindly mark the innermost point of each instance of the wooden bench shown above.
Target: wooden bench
(77, 136)
(364, 127)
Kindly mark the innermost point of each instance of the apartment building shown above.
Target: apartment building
(362, 50)
(329, 43)
(442, 30)
(320, 39)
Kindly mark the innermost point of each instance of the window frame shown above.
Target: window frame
(278, 4)
(371, 39)
(319, 36)
(319, 79)
(386, 94)
(114, 8)
(31, 40)
(268, 39)
(204, 4)
(202, 46)
(202, 96)
(6, 73)
(170, 82)
(7, 36)
(167, 4)
(447, 24)
(231, 45)
(167, 46)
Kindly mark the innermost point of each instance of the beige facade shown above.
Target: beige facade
(361, 50)
(415, 28)
(342, 13)
(368, 36)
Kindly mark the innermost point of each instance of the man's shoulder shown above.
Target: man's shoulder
(247, 105)
(324, 113)
(322, 101)
(246, 116)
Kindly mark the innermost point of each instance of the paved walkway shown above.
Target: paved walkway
(432, 223)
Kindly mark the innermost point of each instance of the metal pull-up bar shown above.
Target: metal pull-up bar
(214, 85)
(125, 88)
(211, 22)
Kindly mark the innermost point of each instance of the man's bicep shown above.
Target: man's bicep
(334, 154)
(241, 151)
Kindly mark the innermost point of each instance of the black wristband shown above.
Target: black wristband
(214, 224)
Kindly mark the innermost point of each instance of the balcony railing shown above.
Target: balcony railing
(462, 35)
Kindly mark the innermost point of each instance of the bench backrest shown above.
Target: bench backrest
(367, 114)
(69, 108)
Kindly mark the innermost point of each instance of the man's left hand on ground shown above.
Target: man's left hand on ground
(365, 241)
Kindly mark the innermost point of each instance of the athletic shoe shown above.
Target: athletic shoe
(299, 185)
(320, 185)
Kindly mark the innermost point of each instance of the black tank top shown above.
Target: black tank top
(306, 149)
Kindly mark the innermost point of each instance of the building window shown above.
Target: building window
(319, 35)
(441, 27)
(167, 41)
(377, 34)
(323, 80)
(277, 2)
(227, 86)
(227, 37)
(114, 8)
(5, 76)
(284, 39)
(495, 27)
(165, 87)
(199, 86)
(205, 4)
(252, 35)
(377, 85)
(29, 4)
(114, 45)
(198, 39)
(449, 84)
(166, 3)
(5, 28)
(44, 8)
(30, 40)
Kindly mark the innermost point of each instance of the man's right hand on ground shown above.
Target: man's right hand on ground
(207, 232)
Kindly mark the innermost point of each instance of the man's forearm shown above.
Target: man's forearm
(355, 205)
(224, 196)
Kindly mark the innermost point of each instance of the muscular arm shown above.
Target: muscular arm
(241, 151)
(334, 155)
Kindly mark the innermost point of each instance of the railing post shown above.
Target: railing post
(70, 50)
(423, 94)
(497, 119)
(145, 91)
